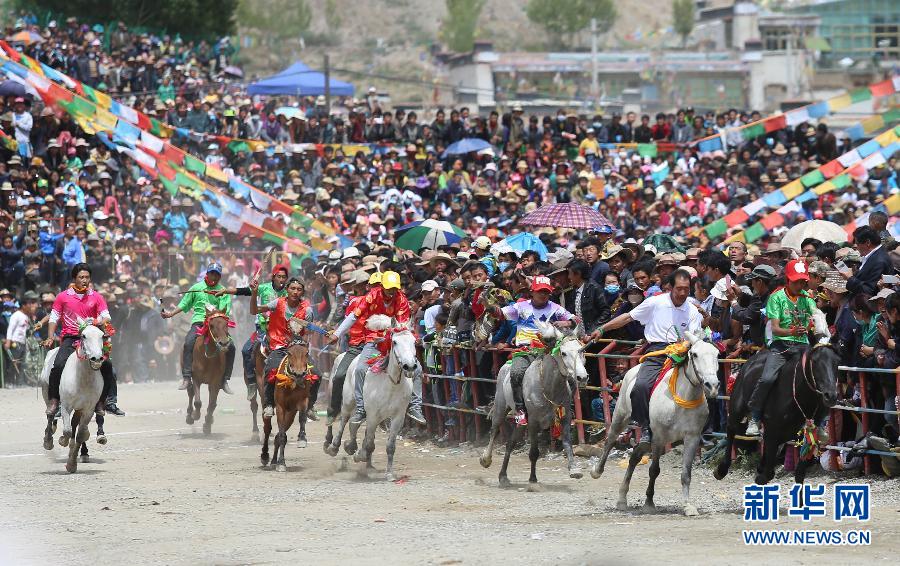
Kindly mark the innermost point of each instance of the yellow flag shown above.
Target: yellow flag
(825, 187)
(839, 102)
(793, 189)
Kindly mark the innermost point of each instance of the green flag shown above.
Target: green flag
(170, 186)
(812, 178)
(236, 146)
(753, 131)
(273, 238)
(647, 149)
(860, 95)
(716, 229)
(754, 232)
(841, 181)
(193, 164)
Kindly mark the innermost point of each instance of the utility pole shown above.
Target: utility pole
(327, 86)
(595, 86)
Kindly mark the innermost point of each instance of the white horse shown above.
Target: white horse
(549, 384)
(697, 382)
(80, 387)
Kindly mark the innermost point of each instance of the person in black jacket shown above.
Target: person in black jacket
(586, 297)
(750, 308)
(875, 264)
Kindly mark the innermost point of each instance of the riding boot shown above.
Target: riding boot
(518, 397)
(53, 386)
(269, 409)
(229, 367)
(646, 437)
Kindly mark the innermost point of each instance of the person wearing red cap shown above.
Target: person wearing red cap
(790, 313)
(526, 314)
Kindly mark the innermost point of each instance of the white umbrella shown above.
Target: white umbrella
(822, 230)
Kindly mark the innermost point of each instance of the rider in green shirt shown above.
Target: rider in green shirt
(790, 313)
(195, 301)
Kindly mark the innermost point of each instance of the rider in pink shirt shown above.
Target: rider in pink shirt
(79, 301)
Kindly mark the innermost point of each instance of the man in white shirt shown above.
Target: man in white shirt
(22, 121)
(665, 318)
(19, 323)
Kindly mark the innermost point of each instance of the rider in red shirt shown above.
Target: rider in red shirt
(386, 300)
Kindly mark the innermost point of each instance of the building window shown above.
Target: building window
(776, 39)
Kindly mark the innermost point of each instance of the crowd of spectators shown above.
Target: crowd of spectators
(67, 197)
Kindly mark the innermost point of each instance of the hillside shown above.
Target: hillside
(381, 41)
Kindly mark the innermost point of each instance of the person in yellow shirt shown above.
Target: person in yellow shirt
(589, 142)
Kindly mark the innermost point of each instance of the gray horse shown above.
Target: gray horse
(549, 385)
(670, 420)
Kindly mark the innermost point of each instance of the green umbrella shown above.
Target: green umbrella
(427, 234)
(663, 243)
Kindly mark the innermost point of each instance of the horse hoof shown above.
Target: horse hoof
(576, 474)
(504, 482)
(85, 458)
(649, 508)
(64, 441)
(48, 443)
(622, 505)
(485, 461)
(280, 468)
(596, 471)
(71, 468)
(264, 460)
(350, 447)
(389, 476)
(690, 511)
(301, 443)
(207, 428)
(331, 450)
(101, 438)
(720, 474)
(359, 457)
(189, 419)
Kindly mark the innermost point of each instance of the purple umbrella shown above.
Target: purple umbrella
(566, 215)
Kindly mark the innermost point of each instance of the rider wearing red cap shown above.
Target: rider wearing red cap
(790, 313)
(526, 314)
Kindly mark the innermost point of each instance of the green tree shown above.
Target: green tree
(458, 27)
(280, 19)
(192, 18)
(332, 14)
(683, 12)
(564, 18)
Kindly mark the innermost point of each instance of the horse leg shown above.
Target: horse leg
(534, 452)
(101, 434)
(656, 454)
(301, 436)
(622, 503)
(512, 436)
(615, 429)
(213, 397)
(766, 469)
(285, 420)
(67, 427)
(488, 454)
(197, 402)
(48, 433)
(267, 431)
(800, 470)
(254, 407)
(189, 414)
(333, 445)
(574, 465)
(81, 439)
(72, 462)
(329, 436)
(85, 457)
(351, 446)
(725, 464)
(390, 447)
(368, 441)
(691, 444)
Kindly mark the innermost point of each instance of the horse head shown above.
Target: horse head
(820, 327)
(566, 349)
(823, 368)
(403, 348)
(91, 344)
(703, 357)
(217, 326)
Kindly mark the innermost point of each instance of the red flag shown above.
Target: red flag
(144, 122)
(831, 168)
(772, 220)
(165, 170)
(12, 53)
(884, 88)
(736, 217)
(173, 154)
(775, 123)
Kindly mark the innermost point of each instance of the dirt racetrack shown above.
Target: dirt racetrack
(163, 493)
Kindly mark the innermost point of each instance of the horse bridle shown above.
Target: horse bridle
(810, 379)
(286, 363)
(403, 372)
(79, 353)
(214, 340)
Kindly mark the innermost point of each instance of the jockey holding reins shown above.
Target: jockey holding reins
(280, 310)
(790, 313)
(386, 300)
(78, 302)
(195, 301)
(665, 317)
(525, 314)
(266, 292)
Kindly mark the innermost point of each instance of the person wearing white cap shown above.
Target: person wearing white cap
(352, 254)
(482, 247)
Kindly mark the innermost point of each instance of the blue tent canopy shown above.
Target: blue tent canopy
(299, 80)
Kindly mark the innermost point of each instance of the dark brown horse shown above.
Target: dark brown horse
(291, 397)
(208, 366)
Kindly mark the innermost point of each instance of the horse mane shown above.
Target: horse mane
(378, 322)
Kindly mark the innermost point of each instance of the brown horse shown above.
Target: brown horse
(208, 365)
(291, 397)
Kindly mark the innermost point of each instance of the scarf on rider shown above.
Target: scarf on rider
(208, 282)
(77, 289)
